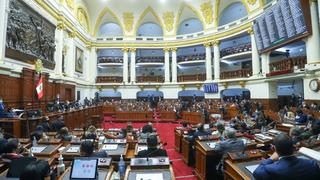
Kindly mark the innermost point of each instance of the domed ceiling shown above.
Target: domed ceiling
(130, 14)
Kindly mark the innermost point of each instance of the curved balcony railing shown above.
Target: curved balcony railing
(193, 57)
(151, 59)
(235, 50)
(287, 66)
(194, 77)
(109, 79)
(150, 79)
(108, 59)
(243, 73)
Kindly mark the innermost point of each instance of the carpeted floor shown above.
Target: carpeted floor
(166, 132)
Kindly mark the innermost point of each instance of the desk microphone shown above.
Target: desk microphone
(160, 146)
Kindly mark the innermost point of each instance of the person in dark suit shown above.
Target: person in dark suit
(87, 150)
(13, 150)
(284, 165)
(201, 132)
(231, 144)
(153, 150)
(36, 170)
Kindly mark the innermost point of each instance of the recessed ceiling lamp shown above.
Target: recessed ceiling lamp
(163, 1)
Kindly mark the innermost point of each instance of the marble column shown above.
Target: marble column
(93, 64)
(265, 62)
(133, 65)
(4, 9)
(216, 54)
(166, 65)
(313, 41)
(125, 65)
(59, 48)
(70, 55)
(174, 65)
(255, 54)
(208, 61)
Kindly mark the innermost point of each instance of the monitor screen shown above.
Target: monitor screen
(84, 168)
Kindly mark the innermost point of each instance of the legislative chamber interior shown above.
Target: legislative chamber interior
(160, 89)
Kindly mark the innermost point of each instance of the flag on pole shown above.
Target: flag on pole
(39, 88)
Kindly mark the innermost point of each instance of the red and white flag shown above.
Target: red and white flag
(39, 88)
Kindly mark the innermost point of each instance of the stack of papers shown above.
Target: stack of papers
(74, 149)
(110, 147)
(263, 137)
(310, 153)
(37, 149)
(273, 131)
(141, 148)
(153, 176)
(212, 144)
(252, 168)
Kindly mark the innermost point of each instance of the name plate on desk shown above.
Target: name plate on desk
(148, 176)
(149, 163)
(104, 162)
(115, 141)
(38, 149)
(110, 147)
(73, 149)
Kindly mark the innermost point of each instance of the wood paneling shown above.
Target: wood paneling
(20, 92)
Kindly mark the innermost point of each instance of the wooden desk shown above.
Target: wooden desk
(11, 126)
(187, 151)
(206, 159)
(104, 174)
(167, 174)
(115, 154)
(131, 116)
(70, 155)
(48, 152)
(168, 116)
(238, 171)
(139, 147)
(193, 117)
(177, 140)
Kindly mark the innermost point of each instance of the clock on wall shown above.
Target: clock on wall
(314, 85)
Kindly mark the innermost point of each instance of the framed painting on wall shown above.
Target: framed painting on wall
(79, 60)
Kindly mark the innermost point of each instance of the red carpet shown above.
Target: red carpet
(166, 132)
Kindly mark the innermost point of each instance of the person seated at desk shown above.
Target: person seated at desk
(153, 150)
(219, 131)
(87, 150)
(13, 150)
(283, 164)
(231, 144)
(313, 135)
(301, 117)
(38, 133)
(201, 132)
(37, 170)
(3, 144)
(45, 124)
(90, 133)
(146, 130)
(64, 135)
(295, 134)
(57, 124)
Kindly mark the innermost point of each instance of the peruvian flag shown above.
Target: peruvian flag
(39, 88)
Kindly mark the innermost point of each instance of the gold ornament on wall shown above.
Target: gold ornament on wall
(70, 4)
(128, 21)
(168, 18)
(157, 87)
(250, 31)
(183, 87)
(242, 84)
(207, 12)
(72, 34)
(252, 2)
(225, 85)
(141, 87)
(115, 87)
(61, 26)
(38, 66)
(83, 18)
(198, 86)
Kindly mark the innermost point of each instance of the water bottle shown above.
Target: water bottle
(61, 166)
(122, 167)
(34, 141)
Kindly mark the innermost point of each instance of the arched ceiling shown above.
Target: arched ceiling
(129, 14)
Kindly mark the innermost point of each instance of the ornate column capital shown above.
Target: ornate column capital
(72, 34)
(125, 50)
(61, 26)
(166, 49)
(215, 42)
(250, 31)
(174, 49)
(207, 44)
(133, 50)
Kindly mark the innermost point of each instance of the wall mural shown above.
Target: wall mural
(29, 35)
(79, 60)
